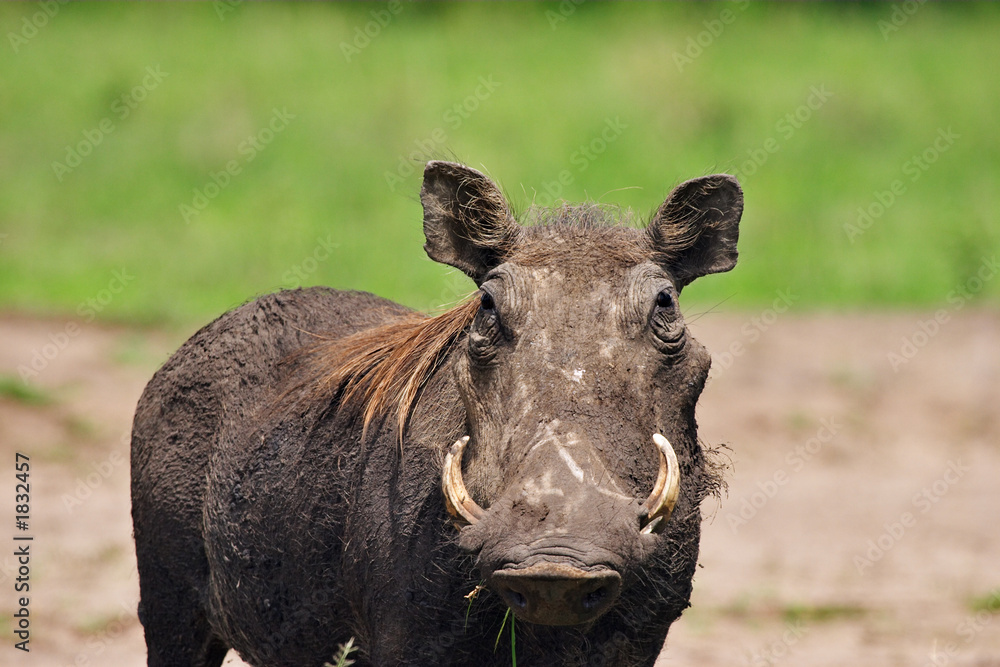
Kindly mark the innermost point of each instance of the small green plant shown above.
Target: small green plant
(341, 658)
(513, 645)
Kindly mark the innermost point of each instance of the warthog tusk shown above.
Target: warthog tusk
(656, 510)
(456, 498)
(660, 504)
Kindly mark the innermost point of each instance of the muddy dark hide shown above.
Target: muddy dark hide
(280, 508)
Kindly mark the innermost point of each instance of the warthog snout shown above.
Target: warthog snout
(554, 544)
(556, 593)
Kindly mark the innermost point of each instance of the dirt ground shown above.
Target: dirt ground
(861, 525)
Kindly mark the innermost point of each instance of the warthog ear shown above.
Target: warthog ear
(695, 231)
(467, 222)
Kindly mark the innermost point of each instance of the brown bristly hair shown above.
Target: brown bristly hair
(382, 369)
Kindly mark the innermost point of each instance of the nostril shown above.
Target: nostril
(594, 599)
(516, 599)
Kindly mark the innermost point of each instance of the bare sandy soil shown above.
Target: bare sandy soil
(861, 525)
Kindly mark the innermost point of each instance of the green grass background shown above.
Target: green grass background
(324, 176)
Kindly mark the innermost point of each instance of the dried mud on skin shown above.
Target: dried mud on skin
(859, 527)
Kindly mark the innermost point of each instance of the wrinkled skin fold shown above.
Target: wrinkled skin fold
(294, 481)
(655, 511)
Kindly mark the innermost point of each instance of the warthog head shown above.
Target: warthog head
(579, 382)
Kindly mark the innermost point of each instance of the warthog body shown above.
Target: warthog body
(294, 481)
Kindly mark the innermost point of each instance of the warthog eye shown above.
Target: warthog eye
(486, 302)
(665, 299)
(485, 331)
(666, 324)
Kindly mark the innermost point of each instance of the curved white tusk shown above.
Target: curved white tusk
(660, 504)
(456, 498)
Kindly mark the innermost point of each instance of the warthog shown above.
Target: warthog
(319, 465)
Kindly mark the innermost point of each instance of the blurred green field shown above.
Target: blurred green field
(160, 163)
